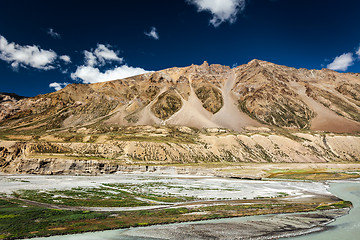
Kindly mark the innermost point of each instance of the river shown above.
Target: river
(348, 226)
(345, 228)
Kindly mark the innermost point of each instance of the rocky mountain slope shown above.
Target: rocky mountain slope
(8, 104)
(134, 148)
(251, 95)
(258, 112)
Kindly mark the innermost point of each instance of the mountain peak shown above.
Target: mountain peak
(202, 96)
(254, 61)
(205, 64)
(260, 62)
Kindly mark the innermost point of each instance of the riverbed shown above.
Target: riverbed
(347, 227)
(202, 187)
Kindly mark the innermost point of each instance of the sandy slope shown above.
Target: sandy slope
(192, 113)
(229, 115)
(326, 119)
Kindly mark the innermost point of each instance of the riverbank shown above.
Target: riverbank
(269, 226)
(32, 204)
(348, 226)
(272, 226)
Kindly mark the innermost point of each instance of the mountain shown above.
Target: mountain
(8, 103)
(255, 94)
(258, 112)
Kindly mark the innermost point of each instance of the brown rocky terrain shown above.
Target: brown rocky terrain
(8, 103)
(254, 94)
(133, 148)
(258, 112)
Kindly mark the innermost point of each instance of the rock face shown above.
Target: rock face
(111, 153)
(251, 95)
(8, 101)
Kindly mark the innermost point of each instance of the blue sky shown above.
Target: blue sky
(45, 45)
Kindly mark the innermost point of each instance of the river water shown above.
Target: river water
(344, 228)
(348, 226)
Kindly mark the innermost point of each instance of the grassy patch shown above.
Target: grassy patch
(109, 195)
(144, 190)
(30, 221)
(312, 175)
(341, 204)
(87, 197)
(34, 221)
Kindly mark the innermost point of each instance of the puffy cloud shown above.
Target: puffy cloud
(342, 62)
(32, 56)
(95, 60)
(65, 58)
(90, 58)
(221, 10)
(153, 33)
(57, 86)
(89, 74)
(53, 34)
(100, 55)
(358, 52)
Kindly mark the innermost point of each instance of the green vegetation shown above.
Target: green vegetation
(144, 190)
(313, 175)
(341, 204)
(89, 197)
(108, 195)
(19, 220)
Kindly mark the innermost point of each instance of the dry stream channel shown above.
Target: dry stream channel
(317, 225)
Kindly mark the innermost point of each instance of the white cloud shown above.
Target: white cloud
(65, 58)
(32, 56)
(57, 86)
(89, 74)
(358, 52)
(221, 10)
(90, 58)
(153, 33)
(342, 62)
(100, 55)
(53, 34)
